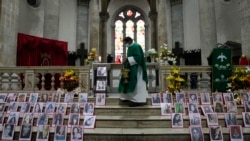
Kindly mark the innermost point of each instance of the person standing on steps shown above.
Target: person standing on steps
(135, 90)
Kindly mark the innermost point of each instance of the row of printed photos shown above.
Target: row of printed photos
(218, 107)
(45, 97)
(216, 133)
(60, 132)
(212, 119)
(48, 107)
(204, 98)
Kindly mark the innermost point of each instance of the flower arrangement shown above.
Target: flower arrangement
(91, 56)
(175, 80)
(167, 55)
(152, 52)
(70, 80)
(239, 80)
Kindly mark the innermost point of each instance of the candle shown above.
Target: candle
(100, 59)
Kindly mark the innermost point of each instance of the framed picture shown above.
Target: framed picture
(236, 133)
(83, 98)
(60, 133)
(100, 99)
(33, 98)
(166, 108)
(230, 119)
(3, 97)
(25, 107)
(180, 98)
(179, 108)
(38, 107)
(212, 119)
(228, 97)
(231, 107)
(56, 97)
(193, 98)
(245, 97)
(219, 107)
(101, 71)
(89, 121)
(217, 97)
(247, 106)
(156, 98)
(89, 109)
(215, 133)
(58, 119)
(68, 97)
(13, 118)
(2, 106)
(167, 98)
(42, 133)
(26, 131)
(177, 120)
(8, 132)
(27, 118)
(44, 97)
(101, 85)
(205, 98)
(42, 119)
(246, 118)
(193, 108)
(77, 133)
(196, 133)
(195, 119)
(75, 108)
(61, 108)
(21, 97)
(206, 109)
(1, 118)
(11, 97)
(50, 107)
(74, 119)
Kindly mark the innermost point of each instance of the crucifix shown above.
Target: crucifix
(178, 52)
(82, 54)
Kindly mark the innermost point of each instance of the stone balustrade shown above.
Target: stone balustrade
(37, 78)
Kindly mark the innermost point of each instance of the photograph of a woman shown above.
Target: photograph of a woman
(13, 118)
(74, 119)
(26, 131)
(27, 118)
(179, 108)
(166, 108)
(218, 107)
(56, 97)
(83, 98)
(11, 97)
(88, 109)
(44, 97)
(77, 133)
(38, 107)
(8, 132)
(230, 119)
(21, 97)
(75, 108)
(61, 108)
(57, 119)
(60, 133)
(246, 118)
(193, 98)
(212, 119)
(236, 133)
(196, 133)
(177, 120)
(192, 108)
(215, 133)
(42, 133)
(12, 107)
(33, 98)
(100, 99)
(50, 107)
(2, 106)
(42, 119)
(205, 98)
(195, 119)
(25, 108)
(167, 98)
(89, 121)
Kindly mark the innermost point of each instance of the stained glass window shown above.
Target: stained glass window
(129, 22)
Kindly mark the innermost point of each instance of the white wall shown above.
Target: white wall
(228, 21)
(67, 23)
(191, 24)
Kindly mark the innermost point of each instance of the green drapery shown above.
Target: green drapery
(222, 68)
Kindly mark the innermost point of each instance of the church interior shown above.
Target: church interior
(62, 62)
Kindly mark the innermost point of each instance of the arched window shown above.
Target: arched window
(128, 22)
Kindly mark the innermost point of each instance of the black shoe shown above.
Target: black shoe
(124, 101)
(134, 104)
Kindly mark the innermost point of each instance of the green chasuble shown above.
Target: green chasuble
(136, 52)
(222, 68)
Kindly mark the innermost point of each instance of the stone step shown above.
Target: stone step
(136, 134)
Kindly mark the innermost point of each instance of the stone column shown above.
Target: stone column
(153, 18)
(162, 22)
(177, 22)
(94, 24)
(8, 32)
(207, 29)
(245, 26)
(51, 19)
(103, 36)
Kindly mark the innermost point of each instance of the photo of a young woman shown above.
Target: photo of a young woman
(177, 120)
(215, 133)
(8, 132)
(77, 133)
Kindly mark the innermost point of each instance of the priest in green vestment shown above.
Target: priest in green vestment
(134, 88)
